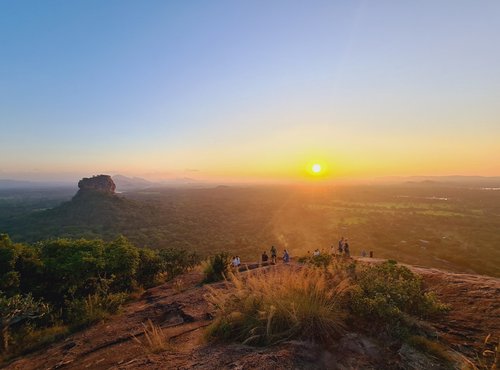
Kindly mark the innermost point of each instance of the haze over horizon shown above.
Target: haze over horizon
(249, 91)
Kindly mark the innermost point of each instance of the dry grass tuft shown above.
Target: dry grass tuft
(178, 285)
(280, 304)
(154, 339)
(489, 358)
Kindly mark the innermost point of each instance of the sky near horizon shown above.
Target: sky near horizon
(249, 89)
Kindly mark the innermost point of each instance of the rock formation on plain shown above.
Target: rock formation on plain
(101, 184)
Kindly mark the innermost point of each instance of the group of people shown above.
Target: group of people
(274, 256)
(343, 248)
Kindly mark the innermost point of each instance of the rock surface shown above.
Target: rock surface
(184, 313)
(100, 183)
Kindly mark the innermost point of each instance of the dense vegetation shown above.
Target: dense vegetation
(434, 225)
(386, 301)
(217, 267)
(52, 287)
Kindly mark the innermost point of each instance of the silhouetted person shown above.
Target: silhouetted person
(346, 249)
(274, 253)
(265, 257)
(341, 245)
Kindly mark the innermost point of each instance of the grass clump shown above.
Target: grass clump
(266, 308)
(315, 300)
(154, 339)
(489, 358)
(94, 308)
(31, 337)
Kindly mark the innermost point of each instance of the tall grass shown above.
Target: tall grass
(264, 308)
(154, 340)
(93, 308)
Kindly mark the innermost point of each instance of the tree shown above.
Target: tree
(177, 261)
(150, 265)
(9, 278)
(122, 260)
(71, 267)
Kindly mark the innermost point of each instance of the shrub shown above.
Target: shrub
(31, 338)
(265, 308)
(15, 310)
(150, 266)
(303, 259)
(70, 267)
(217, 267)
(9, 278)
(177, 261)
(121, 262)
(388, 293)
(323, 260)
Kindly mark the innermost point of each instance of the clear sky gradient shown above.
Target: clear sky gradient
(249, 89)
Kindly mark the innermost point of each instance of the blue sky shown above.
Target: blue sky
(249, 89)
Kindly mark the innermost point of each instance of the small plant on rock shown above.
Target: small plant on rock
(154, 339)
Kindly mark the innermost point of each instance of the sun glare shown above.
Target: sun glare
(316, 168)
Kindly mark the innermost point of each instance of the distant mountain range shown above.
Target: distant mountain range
(124, 183)
(457, 180)
(127, 184)
(8, 184)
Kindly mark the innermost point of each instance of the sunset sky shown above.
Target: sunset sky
(249, 90)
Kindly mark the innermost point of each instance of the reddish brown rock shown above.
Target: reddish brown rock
(101, 184)
(117, 343)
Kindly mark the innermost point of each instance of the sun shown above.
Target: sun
(316, 168)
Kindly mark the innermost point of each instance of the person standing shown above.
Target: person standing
(274, 253)
(347, 252)
(341, 245)
(265, 257)
(286, 256)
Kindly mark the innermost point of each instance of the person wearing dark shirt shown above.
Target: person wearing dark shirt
(274, 253)
(346, 249)
(265, 257)
(341, 245)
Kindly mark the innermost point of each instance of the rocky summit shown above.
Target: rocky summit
(101, 184)
(119, 342)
